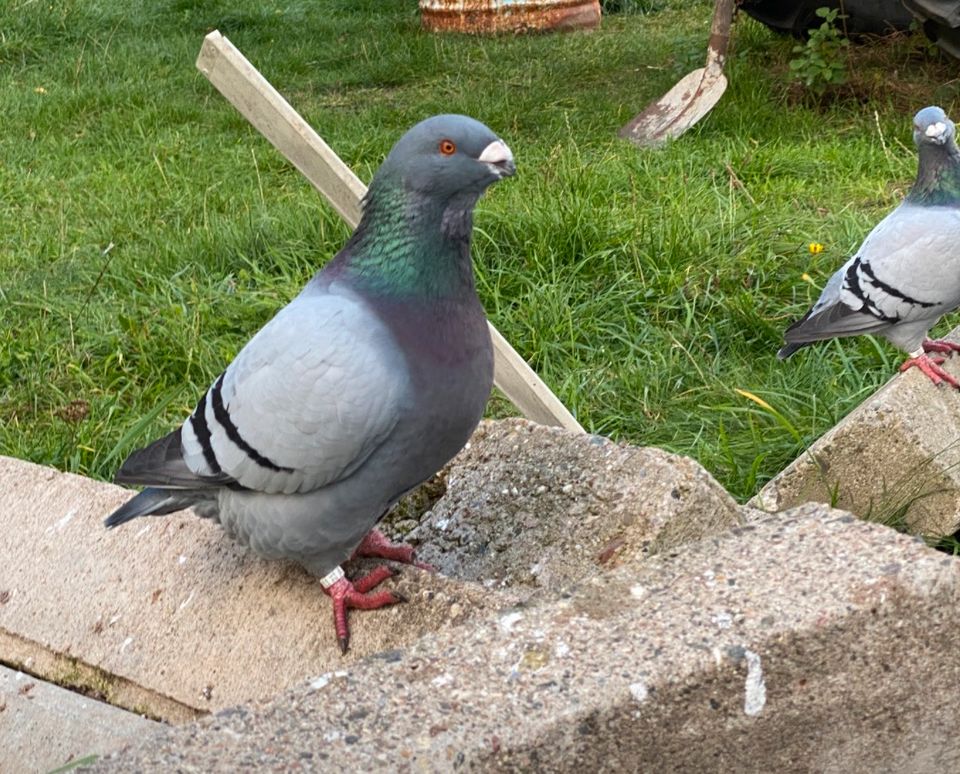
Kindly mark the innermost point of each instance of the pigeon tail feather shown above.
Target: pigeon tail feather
(788, 349)
(150, 502)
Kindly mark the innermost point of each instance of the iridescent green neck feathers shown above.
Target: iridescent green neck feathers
(409, 245)
(938, 176)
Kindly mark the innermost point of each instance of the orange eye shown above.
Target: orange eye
(447, 148)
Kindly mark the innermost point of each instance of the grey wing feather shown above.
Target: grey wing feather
(162, 464)
(305, 402)
(896, 278)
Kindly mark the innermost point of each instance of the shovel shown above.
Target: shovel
(693, 96)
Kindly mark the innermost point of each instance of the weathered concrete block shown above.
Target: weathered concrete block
(43, 726)
(169, 616)
(894, 459)
(536, 506)
(809, 641)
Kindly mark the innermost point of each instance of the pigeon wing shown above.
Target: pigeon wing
(304, 404)
(161, 464)
(900, 275)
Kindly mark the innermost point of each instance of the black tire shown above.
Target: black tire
(798, 17)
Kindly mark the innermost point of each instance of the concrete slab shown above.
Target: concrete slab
(167, 616)
(895, 459)
(537, 507)
(44, 726)
(809, 641)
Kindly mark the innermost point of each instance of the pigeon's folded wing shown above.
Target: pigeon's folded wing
(910, 262)
(304, 403)
(898, 276)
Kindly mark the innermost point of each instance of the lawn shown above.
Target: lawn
(146, 230)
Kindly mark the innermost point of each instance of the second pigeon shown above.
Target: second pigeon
(906, 274)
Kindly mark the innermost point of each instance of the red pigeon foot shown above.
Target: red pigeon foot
(931, 367)
(347, 594)
(378, 545)
(940, 345)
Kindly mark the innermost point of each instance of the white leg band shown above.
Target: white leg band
(332, 577)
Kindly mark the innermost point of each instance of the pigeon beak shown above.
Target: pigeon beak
(936, 132)
(499, 159)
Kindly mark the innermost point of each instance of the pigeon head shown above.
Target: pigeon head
(447, 156)
(932, 127)
(413, 240)
(938, 171)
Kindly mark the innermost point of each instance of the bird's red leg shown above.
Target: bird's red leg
(940, 345)
(376, 544)
(346, 594)
(931, 367)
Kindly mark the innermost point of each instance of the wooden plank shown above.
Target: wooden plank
(263, 106)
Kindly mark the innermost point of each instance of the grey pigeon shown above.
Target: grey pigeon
(906, 274)
(358, 390)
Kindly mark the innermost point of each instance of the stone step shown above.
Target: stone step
(893, 459)
(808, 641)
(44, 726)
(169, 616)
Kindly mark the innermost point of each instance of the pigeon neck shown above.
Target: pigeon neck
(410, 245)
(938, 176)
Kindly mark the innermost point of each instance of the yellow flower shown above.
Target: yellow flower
(39, 90)
(815, 248)
(806, 278)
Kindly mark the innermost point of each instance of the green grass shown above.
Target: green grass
(146, 230)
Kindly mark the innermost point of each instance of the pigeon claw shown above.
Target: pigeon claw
(931, 366)
(940, 345)
(374, 578)
(377, 544)
(358, 594)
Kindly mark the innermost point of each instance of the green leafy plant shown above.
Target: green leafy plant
(820, 62)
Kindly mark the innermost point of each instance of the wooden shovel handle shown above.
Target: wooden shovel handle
(723, 12)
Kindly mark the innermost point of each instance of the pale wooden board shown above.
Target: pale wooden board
(263, 106)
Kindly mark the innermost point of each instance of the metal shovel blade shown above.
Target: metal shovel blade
(693, 96)
(676, 111)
